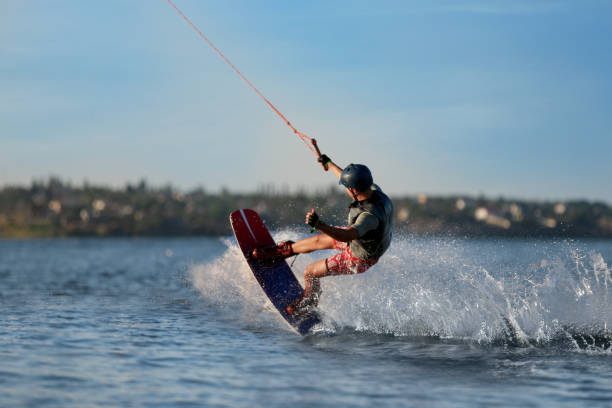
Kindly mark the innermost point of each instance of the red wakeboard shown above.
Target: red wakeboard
(277, 279)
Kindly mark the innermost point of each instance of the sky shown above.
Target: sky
(502, 98)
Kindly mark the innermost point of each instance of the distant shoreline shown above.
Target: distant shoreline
(396, 236)
(54, 209)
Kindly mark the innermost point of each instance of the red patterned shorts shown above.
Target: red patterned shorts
(344, 263)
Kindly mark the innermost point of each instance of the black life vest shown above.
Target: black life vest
(374, 243)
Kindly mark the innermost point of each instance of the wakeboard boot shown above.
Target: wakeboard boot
(273, 253)
(303, 306)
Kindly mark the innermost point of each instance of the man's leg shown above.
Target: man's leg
(286, 249)
(313, 272)
(312, 286)
(312, 275)
(318, 242)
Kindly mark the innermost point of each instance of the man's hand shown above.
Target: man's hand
(324, 160)
(312, 219)
(339, 234)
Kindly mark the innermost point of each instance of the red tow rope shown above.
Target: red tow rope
(310, 142)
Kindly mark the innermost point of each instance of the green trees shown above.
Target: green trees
(54, 208)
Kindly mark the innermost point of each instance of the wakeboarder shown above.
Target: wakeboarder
(360, 244)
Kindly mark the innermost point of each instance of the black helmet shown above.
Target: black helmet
(356, 176)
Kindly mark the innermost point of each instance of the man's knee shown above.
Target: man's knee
(309, 272)
(316, 270)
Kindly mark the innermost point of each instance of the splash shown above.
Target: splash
(228, 284)
(505, 292)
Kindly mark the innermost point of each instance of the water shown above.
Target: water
(181, 322)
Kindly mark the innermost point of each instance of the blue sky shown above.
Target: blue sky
(508, 98)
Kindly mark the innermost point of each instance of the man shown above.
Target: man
(361, 243)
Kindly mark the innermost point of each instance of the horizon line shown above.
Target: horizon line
(282, 188)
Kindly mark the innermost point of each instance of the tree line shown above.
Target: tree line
(52, 208)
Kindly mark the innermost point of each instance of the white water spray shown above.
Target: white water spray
(472, 290)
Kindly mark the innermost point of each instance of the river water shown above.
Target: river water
(438, 322)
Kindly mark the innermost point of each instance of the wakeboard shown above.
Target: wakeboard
(276, 279)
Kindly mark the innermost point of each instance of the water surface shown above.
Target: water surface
(181, 322)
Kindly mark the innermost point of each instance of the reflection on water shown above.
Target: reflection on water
(181, 322)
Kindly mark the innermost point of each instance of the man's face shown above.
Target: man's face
(351, 192)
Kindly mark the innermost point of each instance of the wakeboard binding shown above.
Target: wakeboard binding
(273, 253)
(303, 306)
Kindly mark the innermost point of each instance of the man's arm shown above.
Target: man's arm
(337, 170)
(364, 223)
(329, 164)
(339, 234)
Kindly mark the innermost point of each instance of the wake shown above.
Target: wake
(526, 293)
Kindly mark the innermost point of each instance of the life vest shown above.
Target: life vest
(374, 243)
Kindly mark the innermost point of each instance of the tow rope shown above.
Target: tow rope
(309, 141)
